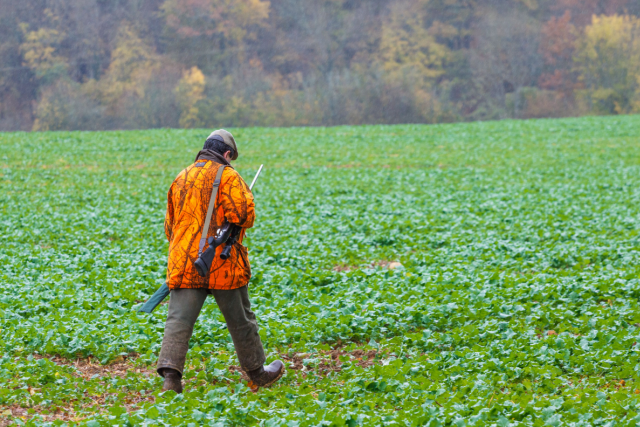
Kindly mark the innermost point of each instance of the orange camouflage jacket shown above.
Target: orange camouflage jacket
(187, 204)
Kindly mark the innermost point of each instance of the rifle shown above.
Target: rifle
(228, 234)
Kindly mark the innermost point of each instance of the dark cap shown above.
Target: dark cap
(225, 137)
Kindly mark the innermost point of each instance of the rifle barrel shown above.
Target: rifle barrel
(256, 177)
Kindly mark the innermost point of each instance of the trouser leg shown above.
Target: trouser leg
(184, 308)
(243, 328)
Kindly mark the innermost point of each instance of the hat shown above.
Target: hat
(225, 137)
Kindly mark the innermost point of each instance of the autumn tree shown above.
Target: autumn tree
(557, 47)
(190, 91)
(212, 33)
(41, 49)
(608, 62)
(409, 54)
(132, 66)
(406, 44)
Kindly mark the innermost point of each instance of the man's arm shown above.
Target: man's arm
(237, 201)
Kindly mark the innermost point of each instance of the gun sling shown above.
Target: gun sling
(212, 202)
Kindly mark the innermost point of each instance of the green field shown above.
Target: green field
(516, 303)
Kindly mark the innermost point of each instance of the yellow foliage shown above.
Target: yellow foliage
(411, 56)
(609, 36)
(189, 92)
(39, 51)
(406, 43)
(608, 61)
(130, 55)
(63, 105)
(50, 115)
(132, 65)
(243, 14)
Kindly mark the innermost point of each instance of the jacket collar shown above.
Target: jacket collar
(212, 155)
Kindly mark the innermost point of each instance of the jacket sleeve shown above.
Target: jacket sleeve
(237, 201)
(168, 218)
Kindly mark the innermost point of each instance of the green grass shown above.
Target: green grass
(506, 231)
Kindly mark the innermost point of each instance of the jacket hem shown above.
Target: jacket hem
(210, 286)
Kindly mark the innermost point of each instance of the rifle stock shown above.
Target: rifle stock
(155, 299)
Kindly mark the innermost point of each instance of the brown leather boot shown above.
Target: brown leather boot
(267, 375)
(172, 380)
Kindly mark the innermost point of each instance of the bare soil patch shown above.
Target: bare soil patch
(87, 368)
(344, 268)
(390, 265)
(326, 362)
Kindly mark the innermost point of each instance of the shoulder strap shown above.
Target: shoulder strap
(212, 202)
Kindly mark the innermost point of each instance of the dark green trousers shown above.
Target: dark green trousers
(184, 308)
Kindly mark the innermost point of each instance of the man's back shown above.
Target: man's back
(187, 203)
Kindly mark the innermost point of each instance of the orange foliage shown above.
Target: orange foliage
(557, 47)
(558, 40)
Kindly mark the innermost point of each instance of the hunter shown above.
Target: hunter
(227, 281)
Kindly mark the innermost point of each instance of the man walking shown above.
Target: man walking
(188, 201)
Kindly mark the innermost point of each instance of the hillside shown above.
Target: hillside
(139, 64)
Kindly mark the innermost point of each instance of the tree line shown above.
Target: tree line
(123, 64)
